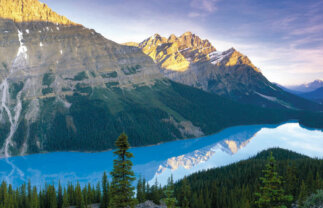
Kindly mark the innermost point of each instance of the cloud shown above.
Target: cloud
(202, 7)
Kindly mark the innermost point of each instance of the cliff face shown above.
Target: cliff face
(177, 53)
(30, 11)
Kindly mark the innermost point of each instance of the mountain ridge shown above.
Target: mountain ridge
(189, 60)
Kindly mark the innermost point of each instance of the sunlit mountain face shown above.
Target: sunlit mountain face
(178, 158)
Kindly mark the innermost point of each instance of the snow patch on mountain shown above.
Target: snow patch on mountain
(217, 56)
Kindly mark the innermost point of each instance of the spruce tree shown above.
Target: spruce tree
(79, 201)
(272, 194)
(170, 200)
(105, 191)
(302, 194)
(155, 194)
(34, 199)
(141, 190)
(60, 195)
(185, 194)
(122, 191)
(98, 193)
(65, 199)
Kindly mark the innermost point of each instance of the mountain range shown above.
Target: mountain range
(189, 60)
(312, 91)
(316, 95)
(65, 87)
(307, 87)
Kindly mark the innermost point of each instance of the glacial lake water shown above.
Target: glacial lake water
(177, 158)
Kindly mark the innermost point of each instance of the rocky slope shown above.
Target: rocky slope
(192, 61)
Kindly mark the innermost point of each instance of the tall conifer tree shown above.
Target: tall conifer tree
(105, 191)
(272, 194)
(122, 191)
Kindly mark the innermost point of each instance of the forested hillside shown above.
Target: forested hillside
(234, 186)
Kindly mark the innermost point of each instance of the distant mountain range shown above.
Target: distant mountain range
(192, 61)
(65, 87)
(316, 95)
(312, 91)
(308, 87)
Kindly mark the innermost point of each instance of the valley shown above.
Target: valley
(88, 119)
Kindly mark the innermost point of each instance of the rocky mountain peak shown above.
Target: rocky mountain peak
(30, 11)
(177, 53)
(238, 58)
(172, 38)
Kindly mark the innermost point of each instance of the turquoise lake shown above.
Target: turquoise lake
(177, 158)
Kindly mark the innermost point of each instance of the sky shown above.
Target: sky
(284, 38)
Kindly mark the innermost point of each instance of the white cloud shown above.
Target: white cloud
(205, 5)
(202, 7)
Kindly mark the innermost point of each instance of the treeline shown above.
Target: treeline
(233, 186)
(27, 196)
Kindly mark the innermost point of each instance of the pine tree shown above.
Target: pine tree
(122, 191)
(79, 197)
(105, 191)
(185, 194)
(272, 193)
(98, 193)
(141, 190)
(318, 181)
(29, 195)
(3, 194)
(291, 180)
(60, 195)
(34, 199)
(65, 199)
(170, 200)
(302, 194)
(51, 201)
(155, 194)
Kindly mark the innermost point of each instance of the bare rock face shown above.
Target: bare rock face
(176, 53)
(30, 11)
(192, 61)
